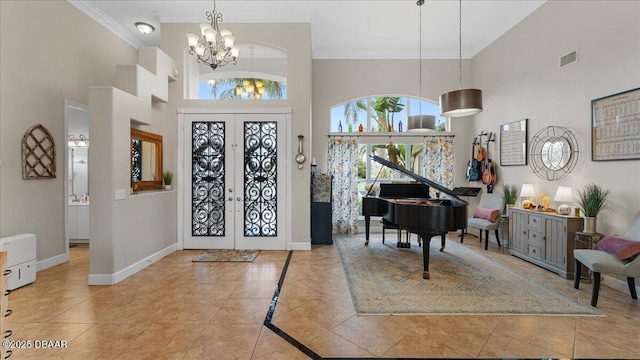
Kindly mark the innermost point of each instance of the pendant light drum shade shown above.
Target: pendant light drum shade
(459, 103)
(421, 123)
(463, 102)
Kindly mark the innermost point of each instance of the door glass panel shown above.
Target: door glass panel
(260, 170)
(208, 172)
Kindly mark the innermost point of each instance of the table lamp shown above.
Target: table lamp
(564, 194)
(527, 192)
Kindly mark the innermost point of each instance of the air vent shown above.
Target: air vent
(569, 59)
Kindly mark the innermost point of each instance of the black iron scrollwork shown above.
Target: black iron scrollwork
(260, 175)
(208, 172)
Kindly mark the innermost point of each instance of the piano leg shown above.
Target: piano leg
(367, 223)
(426, 239)
(443, 242)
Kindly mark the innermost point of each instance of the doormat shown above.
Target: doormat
(227, 256)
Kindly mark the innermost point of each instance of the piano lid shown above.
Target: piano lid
(416, 177)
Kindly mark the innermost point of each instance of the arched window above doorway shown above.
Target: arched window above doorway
(387, 114)
(260, 74)
(383, 113)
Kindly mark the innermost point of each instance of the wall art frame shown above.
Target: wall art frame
(38, 154)
(513, 143)
(615, 126)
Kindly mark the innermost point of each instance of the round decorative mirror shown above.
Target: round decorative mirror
(553, 153)
(556, 153)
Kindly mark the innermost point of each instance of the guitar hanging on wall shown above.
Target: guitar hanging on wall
(489, 175)
(474, 167)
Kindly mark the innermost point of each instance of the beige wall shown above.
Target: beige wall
(338, 81)
(520, 76)
(40, 67)
(295, 40)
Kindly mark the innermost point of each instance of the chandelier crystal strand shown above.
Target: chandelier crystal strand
(213, 46)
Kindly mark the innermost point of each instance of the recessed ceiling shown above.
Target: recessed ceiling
(340, 29)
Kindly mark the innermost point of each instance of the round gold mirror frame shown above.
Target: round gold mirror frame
(553, 153)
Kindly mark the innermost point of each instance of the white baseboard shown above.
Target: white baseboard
(299, 246)
(52, 261)
(112, 279)
(618, 284)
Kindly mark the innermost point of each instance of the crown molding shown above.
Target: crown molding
(103, 19)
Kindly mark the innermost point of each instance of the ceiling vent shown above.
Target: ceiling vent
(569, 59)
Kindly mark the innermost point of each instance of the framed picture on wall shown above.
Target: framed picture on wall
(615, 126)
(513, 143)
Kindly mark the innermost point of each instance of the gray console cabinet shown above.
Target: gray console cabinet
(545, 239)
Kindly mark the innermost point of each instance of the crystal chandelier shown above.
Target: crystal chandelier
(213, 47)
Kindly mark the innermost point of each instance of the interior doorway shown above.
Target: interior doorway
(76, 192)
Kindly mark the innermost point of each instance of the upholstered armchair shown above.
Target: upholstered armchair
(614, 255)
(486, 217)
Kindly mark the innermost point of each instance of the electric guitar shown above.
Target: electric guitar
(473, 166)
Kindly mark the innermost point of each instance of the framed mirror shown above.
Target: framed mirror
(553, 153)
(556, 153)
(146, 160)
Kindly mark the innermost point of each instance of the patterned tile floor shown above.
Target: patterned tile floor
(177, 309)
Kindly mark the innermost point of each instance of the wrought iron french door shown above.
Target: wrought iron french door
(234, 198)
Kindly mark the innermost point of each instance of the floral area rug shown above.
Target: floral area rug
(228, 255)
(386, 280)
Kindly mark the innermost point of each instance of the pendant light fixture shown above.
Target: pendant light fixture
(213, 46)
(420, 122)
(463, 102)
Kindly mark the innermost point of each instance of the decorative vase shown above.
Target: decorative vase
(590, 224)
(168, 187)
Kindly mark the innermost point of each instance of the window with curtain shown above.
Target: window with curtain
(343, 164)
(428, 156)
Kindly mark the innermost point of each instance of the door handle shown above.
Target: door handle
(238, 198)
(230, 198)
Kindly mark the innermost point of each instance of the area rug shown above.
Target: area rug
(386, 280)
(227, 255)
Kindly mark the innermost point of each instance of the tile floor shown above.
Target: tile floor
(177, 309)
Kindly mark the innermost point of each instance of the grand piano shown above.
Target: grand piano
(409, 209)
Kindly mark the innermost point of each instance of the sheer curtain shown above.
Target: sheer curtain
(343, 165)
(438, 164)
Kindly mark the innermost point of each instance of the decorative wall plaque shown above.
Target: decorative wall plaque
(615, 126)
(38, 154)
(513, 143)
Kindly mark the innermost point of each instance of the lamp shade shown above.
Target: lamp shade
(564, 194)
(459, 103)
(527, 190)
(421, 122)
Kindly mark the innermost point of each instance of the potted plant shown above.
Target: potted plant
(510, 193)
(592, 199)
(167, 176)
